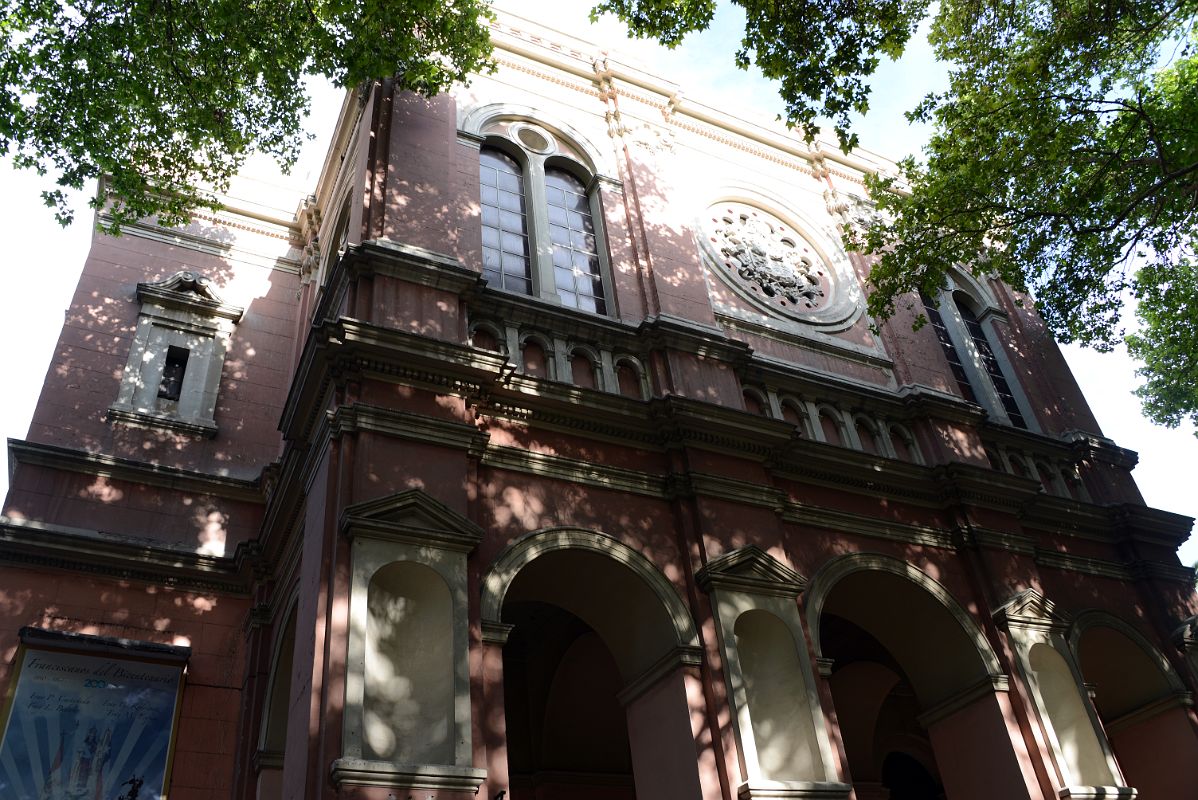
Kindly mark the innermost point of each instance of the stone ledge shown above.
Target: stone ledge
(769, 790)
(363, 772)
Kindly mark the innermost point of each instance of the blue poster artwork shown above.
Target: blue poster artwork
(86, 727)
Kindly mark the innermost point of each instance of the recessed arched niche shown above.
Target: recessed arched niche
(408, 693)
(406, 723)
(783, 747)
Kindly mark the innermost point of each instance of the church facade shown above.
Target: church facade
(549, 452)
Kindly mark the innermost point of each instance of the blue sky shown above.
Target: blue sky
(42, 261)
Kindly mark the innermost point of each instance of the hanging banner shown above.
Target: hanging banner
(88, 725)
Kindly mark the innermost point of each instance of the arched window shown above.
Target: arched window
(951, 354)
(541, 233)
(576, 270)
(505, 222)
(974, 363)
(990, 363)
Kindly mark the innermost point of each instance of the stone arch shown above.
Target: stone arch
(594, 363)
(1095, 618)
(755, 396)
(475, 121)
(633, 364)
(491, 329)
(838, 569)
(914, 674)
(545, 343)
(600, 657)
(529, 548)
(975, 291)
(272, 735)
(1141, 702)
(833, 415)
(874, 430)
(901, 434)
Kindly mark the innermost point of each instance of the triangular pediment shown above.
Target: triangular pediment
(189, 290)
(1029, 607)
(751, 569)
(412, 516)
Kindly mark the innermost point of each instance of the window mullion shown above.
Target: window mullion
(538, 223)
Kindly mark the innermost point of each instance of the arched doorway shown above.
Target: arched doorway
(598, 666)
(1142, 705)
(917, 690)
(272, 739)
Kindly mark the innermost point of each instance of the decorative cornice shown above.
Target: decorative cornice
(413, 517)
(191, 292)
(1006, 541)
(1092, 447)
(1030, 609)
(412, 264)
(201, 243)
(680, 656)
(495, 632)
(1165, 572)
(1140, 523)
(574, 470)
(867, 525)
(1098, 567)
(750, 569)
(124, 469)
(406, 425)
(738, 491)
(96, 552)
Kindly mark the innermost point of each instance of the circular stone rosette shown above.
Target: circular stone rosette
(772, 265)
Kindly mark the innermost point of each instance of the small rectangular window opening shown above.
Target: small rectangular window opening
(172, 373)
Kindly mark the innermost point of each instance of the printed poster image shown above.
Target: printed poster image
(88, 727)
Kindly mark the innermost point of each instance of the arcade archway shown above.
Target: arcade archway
(599, 661)
(918, 693)
(1142, 704)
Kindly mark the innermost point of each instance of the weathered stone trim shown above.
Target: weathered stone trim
(46, 546)
(750, 569)
(1097, 793)
(987, 686)
(147, 419)
(574, 470)
(202, 244)
(682, 656)
(61, 458)
(783, 790)
(866, 525)
(361, 772)
(1149, 710)
(496, 632)
(1087, 566)
(405, 425)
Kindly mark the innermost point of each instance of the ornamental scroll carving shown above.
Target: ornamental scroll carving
(776, 264)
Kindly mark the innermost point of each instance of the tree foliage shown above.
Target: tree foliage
(1064, 160)
(820, 51)
(164, 96)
